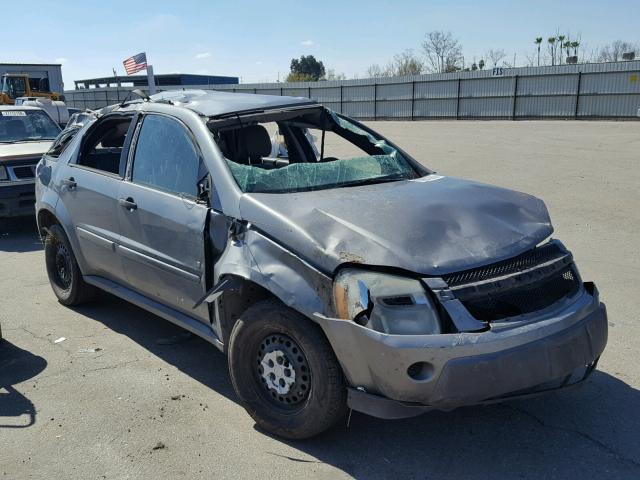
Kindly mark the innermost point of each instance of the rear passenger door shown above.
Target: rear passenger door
(161, 221)
(88, 188)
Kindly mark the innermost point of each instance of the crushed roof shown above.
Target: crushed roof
(212, 103)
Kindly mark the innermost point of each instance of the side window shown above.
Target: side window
(102, 148)
(166, 157)
(61, 143)
(17, 88)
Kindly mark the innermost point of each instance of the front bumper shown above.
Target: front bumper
(557, 349)
(17, 200)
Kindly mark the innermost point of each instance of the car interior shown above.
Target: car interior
(311, 148)
(103, 148)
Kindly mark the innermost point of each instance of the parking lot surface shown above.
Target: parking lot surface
(110, 391)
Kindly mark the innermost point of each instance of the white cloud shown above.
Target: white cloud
(259, 62)
(307, 43)
(203, 55)
(61, 60)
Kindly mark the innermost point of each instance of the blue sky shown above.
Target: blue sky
(256, 40)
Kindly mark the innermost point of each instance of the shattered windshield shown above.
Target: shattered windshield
(26, 125)
(308, 150)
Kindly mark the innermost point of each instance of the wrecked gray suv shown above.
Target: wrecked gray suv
(333, 269)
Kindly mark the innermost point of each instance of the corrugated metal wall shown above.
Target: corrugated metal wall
(596, 90)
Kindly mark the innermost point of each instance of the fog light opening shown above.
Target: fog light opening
(420, 371)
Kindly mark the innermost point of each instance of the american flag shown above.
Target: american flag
(136, 63)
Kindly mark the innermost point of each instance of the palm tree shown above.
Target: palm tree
(575, 46)
(561, 40)
(552, 49)
(566, 46)
(538, 42)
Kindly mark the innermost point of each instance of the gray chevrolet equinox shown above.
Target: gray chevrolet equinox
(334, 270)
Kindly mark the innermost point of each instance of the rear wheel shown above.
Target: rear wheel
(62, 269)
(285, 372)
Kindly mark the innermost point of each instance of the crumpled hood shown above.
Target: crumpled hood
(433, 225)
(23, 149)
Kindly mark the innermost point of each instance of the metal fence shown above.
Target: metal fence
(586, 91)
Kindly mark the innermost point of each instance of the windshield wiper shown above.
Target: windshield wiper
(24, 140)
(370, 181)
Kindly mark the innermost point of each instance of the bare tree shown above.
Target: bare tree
(376, 71)
(443, 52)
(495, 56)
(332, 75)
(613, 52)
(406, 63)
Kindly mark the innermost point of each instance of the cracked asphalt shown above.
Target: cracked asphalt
(125, 396)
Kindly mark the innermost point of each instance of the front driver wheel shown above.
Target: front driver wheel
(285, 372)
(62, 269)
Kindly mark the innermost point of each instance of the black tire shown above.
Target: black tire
(318, 399)
(62, 269)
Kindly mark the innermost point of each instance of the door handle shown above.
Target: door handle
(128, 203)
(70, 182)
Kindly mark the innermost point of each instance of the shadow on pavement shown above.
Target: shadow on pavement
(16, 366)
(190, 354)
(589, 432)
(19, 235)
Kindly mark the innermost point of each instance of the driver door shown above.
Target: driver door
(162, 243)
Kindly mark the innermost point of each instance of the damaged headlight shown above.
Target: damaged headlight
(385, 303)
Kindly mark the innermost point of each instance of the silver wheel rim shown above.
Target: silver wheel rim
(283, 370)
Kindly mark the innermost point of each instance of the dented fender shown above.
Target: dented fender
(253, 256)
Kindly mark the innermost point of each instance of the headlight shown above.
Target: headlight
(4, 176)
(385, 303)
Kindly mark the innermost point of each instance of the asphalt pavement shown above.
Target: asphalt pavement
(108, 390)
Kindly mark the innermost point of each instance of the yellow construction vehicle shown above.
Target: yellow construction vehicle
(15, 85)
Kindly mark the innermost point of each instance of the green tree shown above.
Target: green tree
(538, 42)
(567, 46)
(552, 49)
(561, 41)
(299, 77)
(306, 67)
(575, 46)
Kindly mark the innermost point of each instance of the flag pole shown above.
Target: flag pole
(151, 80)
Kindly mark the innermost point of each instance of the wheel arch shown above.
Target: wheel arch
(47, 216)
(264, 269)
